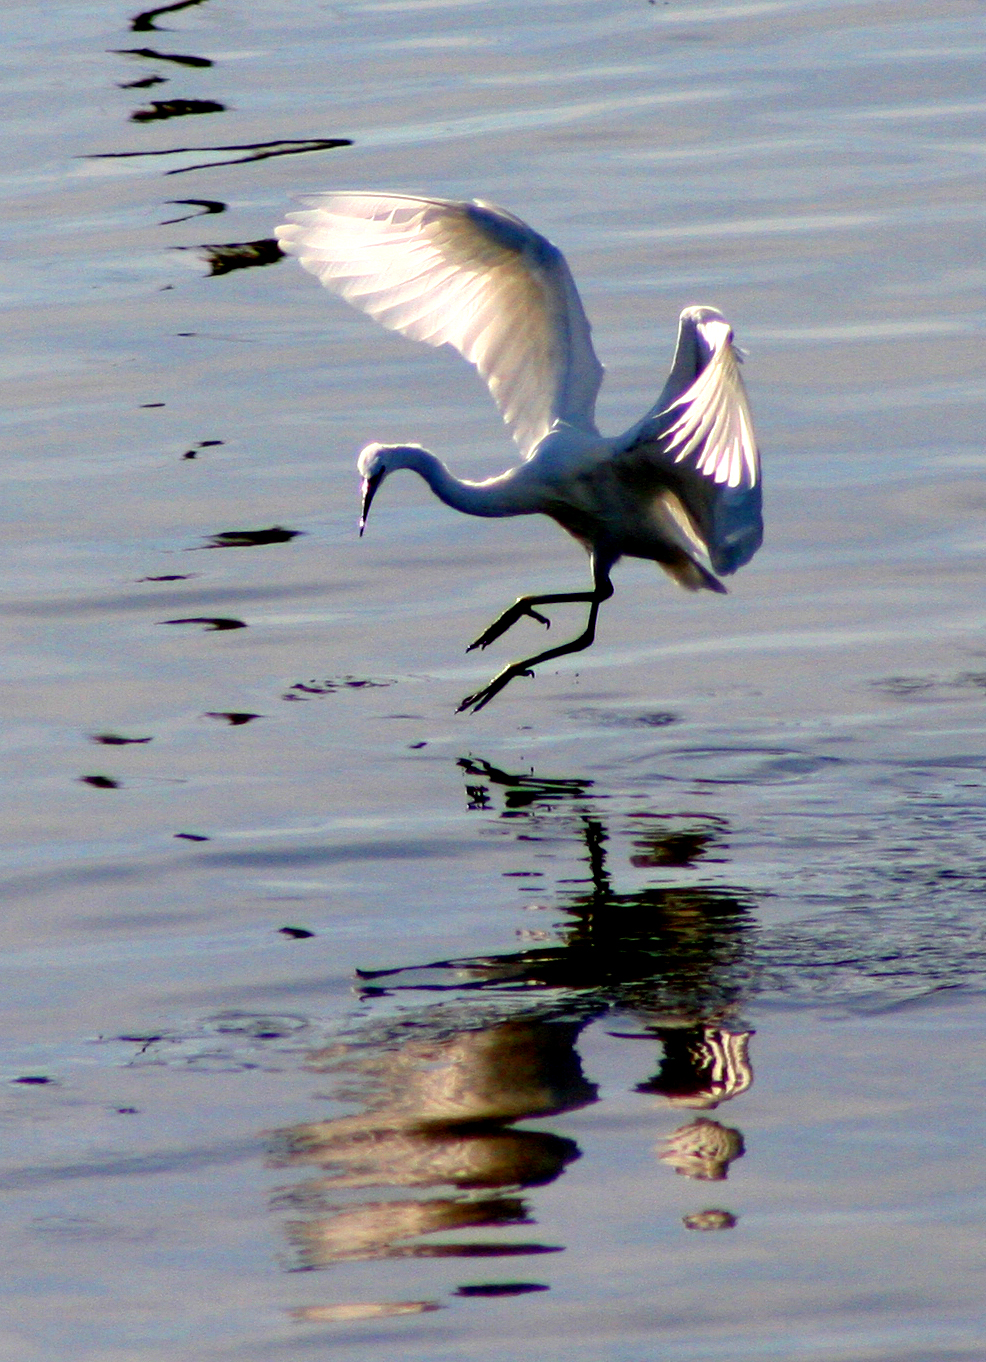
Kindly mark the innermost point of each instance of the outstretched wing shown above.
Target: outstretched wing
(463, 274)
(699, 437)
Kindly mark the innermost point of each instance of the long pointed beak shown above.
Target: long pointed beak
(370, 486)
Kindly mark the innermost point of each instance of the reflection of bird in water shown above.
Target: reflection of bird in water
(391, 1229)
(681, 487)
(702, 1149)
(441, 1088)
(440, 1113)
(702, 1066)
(674, 958)
(709, 1220)
(333, 1314)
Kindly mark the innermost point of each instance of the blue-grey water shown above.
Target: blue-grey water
(640, 1015)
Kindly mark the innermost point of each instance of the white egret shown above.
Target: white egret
(681, 487)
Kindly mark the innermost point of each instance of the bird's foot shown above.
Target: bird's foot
(476, 702)
(507, 621)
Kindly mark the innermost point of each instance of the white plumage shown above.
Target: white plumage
(681, 487)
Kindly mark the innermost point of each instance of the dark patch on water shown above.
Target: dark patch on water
(478, 1250)
(211, 622)
(180, 58)
(144, 21)
(246, 539)
(116, 739)
(175, 108)
(237, 255)
(500, 1288)
(208, 206)
(202, 444)
(259, 151)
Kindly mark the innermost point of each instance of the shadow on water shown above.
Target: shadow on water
(179, 58)
(257, 151)
(237, 255)
(210, 622)
(208, 207)
(144, 83)
(144, 21)
(161, 110)
(247, 539)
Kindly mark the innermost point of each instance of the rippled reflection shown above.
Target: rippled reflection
(439, 1113)
(672, 954)
(648, 944)
(703, 1149)
(702, 1066)
(442, 1087)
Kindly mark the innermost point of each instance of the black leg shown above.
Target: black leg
(602, 592)
(524, 605)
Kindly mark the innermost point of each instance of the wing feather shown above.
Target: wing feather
(699, 439)
(464, 274)
(714, 422)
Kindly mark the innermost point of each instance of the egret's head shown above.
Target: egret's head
(372, 466)
(376, 461)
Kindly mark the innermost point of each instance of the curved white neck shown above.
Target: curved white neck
(505, 495)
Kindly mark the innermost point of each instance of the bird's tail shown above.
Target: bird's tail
(692, 576)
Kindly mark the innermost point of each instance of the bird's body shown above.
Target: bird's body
(681, 487)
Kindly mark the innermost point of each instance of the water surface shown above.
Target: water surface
(640, 1014)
